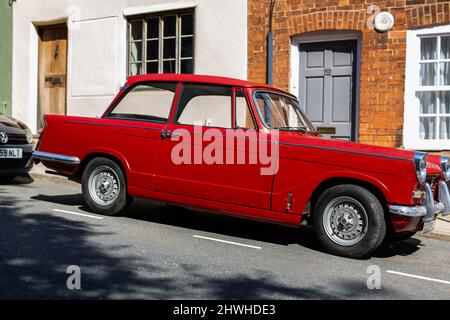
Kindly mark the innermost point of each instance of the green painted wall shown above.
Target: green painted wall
(5, 56)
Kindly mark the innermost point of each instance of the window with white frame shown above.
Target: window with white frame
(434, 91)
(162, 43)
(427, 90)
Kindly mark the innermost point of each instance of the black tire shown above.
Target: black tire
(369, 240)
(120, 201)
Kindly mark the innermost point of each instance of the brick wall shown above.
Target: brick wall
(383, 54)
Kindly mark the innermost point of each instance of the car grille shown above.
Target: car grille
(13, 163)
(17, 139)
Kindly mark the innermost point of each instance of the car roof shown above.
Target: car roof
(196, 78)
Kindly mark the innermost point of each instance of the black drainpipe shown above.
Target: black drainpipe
(269, 76)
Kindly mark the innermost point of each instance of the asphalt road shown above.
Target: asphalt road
(161, 252)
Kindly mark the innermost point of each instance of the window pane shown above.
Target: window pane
(187, 47)
(428, 74)
(428, 48)
(153, 28)
(152, 67)
(135, 69)
(278, 111)
(187, 66)
(444, 128)
(444, 74)
(445, 47)
(206, 105)
(152, 50)
(427, 102)
(243, 114)
(427, 128)
(187, 24)
(169, 66)
(135, 52)
(170, 26)
(445, 102)
(136, 30)
(147, 102)
(169, 48)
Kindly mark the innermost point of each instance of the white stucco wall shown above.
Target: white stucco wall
(97, 57)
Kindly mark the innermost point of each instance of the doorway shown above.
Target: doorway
(327, 86)
(52, 71)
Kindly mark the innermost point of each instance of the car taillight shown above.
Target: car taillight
(41, 134)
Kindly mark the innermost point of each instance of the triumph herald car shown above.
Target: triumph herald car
(16, 147)
(245, 149)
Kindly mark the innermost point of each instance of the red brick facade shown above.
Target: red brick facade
(383, 54)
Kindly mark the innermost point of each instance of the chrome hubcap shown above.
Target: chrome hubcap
(104, 186)
(345, 221)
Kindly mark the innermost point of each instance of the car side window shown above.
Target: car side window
(147, 101)
(205, 105)
(244, 117)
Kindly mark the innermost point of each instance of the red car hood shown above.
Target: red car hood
(433, 164)
(349, 147)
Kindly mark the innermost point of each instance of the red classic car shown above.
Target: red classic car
(244, 149)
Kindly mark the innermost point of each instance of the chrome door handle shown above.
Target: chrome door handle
(169, 134)
(166, 134)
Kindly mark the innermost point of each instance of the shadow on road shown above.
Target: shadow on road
(37, 247)
(203, 221)
(19, 180)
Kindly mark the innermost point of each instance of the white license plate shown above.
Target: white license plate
(428, 226)
(10, 153)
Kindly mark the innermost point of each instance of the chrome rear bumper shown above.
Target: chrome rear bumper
(430, 208)
(46, 156)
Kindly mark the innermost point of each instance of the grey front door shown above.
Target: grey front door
(327, 87)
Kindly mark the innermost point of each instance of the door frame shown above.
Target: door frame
(39, 30)
(33, 76)
(321, 37)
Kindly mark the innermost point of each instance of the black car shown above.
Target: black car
(16, 147)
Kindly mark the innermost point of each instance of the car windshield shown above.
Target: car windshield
(281, 112)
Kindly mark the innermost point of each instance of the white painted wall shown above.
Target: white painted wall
(97, 58)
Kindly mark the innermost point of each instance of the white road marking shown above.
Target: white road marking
(78, 214)
(228, 242)
(417, 277)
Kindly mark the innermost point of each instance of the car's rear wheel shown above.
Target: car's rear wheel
(349, 221)
(104, 187)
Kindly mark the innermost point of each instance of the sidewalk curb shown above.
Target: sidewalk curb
(436, 236)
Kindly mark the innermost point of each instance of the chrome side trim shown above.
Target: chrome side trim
(46, 156)
(444, 197)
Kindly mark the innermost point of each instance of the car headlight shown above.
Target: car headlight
(29, 135)
(445, 165)
(420, 162)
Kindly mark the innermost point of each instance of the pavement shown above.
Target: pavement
(154, 251)
(441, 230)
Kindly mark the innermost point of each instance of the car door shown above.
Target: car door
(198, 153)
(133, 127)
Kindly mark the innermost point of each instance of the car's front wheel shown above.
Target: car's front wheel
(104, 187)
(349, 221)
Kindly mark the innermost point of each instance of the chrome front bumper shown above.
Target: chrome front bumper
(430, 208)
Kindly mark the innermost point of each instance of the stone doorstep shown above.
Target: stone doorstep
(442, 228)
